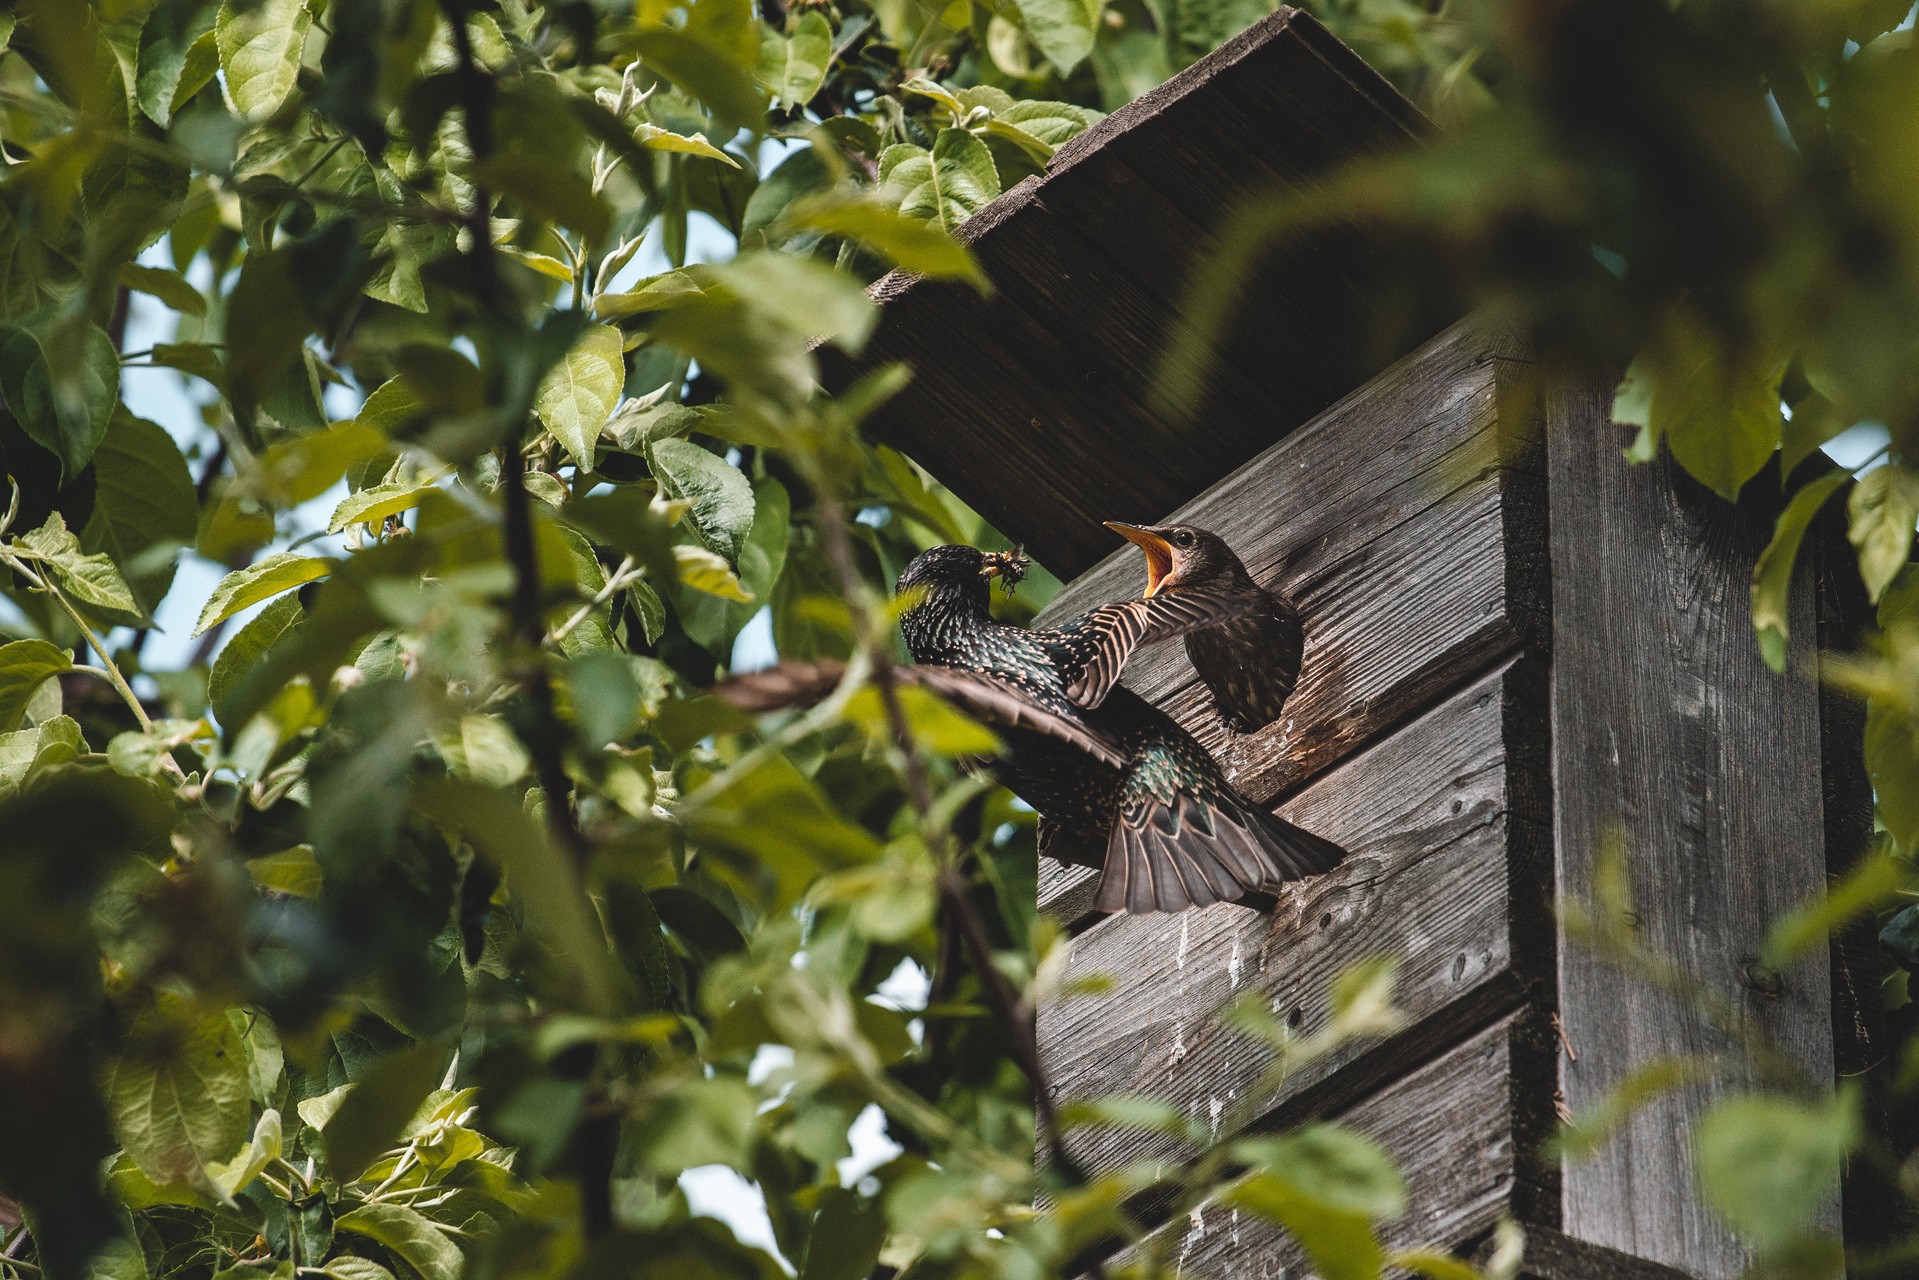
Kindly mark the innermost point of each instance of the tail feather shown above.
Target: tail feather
(1163, 857)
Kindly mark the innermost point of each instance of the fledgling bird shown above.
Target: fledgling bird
(1251, 659)
(1166, 827)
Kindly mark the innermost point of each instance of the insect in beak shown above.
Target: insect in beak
(1008, 566)
(1159, 552)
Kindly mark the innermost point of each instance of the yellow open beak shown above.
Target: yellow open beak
(1159, 552)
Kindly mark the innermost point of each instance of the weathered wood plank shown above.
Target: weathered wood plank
(1446, 840)
(1061, 356)
(1404, 521)
(1668, 727)
(1451, 1128)
(1551, 1255)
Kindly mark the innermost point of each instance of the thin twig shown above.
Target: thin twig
(622, 577)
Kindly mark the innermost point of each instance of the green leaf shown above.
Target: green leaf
(24, 664)
(378, 1106)
(911, 243)
(606, 697)
(1769, 1163)
(88, 579)
(1874, 883)
(294, 872)
(1433, 1264)
(656, 293)
(1337, 1167)
(261, 44)
(168, 39)
(237, 1174)
(801, 174)
(537, 874)
(1053, 123)
(707, 571)
(413, 1237)
(1124, 1111)
(248, 645)
(144, 507)
(269, 577)
(392, 407)
(1772, 575)
(373, 505)
(1061, 29)
(24, 752)
(484, 750)
(946, 185)
(1719, 415)
(722, 85)
(61, 380)
(936, 726)
(547, 187)
(1583, 1137)
(349, 1267)
(579, 393)
(1339, 1243)
(654, 138)
(703, 1121)
(1883, 509)
(1814, 421)
(794, 67)
(169, 287)
(846, 1237)
(196, 358)
(1892, 762)
(178, 1091)
(719, 496)
(801, 296)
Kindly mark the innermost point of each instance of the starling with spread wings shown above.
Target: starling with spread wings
(1122, 787)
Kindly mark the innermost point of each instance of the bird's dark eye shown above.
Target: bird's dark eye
(1184, 537)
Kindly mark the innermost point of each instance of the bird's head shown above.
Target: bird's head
(1184, 555)
(961, 570)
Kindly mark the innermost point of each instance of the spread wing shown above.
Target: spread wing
(988, 700)
(1092, 650)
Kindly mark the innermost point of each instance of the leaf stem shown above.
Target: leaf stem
(622, 577)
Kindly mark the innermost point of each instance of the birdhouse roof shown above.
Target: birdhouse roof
(1032, 403)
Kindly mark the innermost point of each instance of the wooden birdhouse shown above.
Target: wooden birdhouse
(1517, 643)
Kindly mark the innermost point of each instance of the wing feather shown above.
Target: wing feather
(986, 699)
(1093, 648)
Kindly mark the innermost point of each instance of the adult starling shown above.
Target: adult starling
(1166, 827)
(1250, 661)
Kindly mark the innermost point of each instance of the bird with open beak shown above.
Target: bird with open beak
(1250, 661)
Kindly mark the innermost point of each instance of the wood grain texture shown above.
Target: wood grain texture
(1551, 1255)
(1669, 726)
(1405, 523)
(1448, 1125)
(1031, 404)
(1446, 827)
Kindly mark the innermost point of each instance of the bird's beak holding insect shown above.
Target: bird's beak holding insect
(1008, 566)
(1159, 552)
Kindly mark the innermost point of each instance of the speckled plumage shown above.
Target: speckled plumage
(1168, 829)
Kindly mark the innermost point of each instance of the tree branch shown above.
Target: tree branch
(596, 1136)
(1006, 1004)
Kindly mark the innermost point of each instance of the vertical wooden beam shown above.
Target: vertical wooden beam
(1667, 724)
